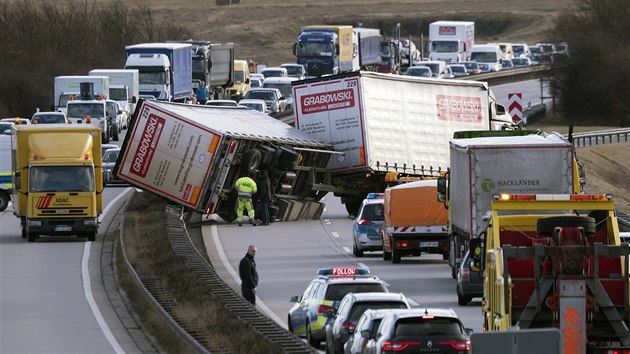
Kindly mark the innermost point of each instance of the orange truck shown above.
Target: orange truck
(415, 221)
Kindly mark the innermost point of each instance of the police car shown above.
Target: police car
(323, 295)
(368, 225)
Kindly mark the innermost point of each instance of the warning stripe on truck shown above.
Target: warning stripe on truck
(418, 229)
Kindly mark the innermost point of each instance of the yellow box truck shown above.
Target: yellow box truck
(58, 184)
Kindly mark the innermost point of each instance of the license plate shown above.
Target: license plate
(428, 244)
(63, 228)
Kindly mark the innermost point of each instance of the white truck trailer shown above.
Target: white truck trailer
(483, 166)
(192, 155)
(69, 86)
(383, 123)
(123, 87)
(451, 41)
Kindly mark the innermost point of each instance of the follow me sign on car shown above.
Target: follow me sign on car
(324, 293)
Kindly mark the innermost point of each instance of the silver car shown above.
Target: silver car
(367, 227)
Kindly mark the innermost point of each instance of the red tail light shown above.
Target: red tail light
(403, 244)
(397, 346)
(465, 272)
(463, 345)
(364, 222)
(323, 308)
(347, 327)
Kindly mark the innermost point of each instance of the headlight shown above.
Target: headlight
(34, 223)
(89, 222)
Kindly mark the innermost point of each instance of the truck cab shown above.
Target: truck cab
(325, 49)
(91, 112)
(155, 75)
(489, 54)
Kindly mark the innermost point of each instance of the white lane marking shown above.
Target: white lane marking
(327, 221)
(87, 285)
(335, 234)
(109, 205)
(87, 290)
(347, 250)
(259, 303)
(363, 265)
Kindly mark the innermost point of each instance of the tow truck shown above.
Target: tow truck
(556, 261)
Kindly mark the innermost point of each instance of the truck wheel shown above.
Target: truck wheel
(91, 236)
(250, 161)
(31, 237)
(285, 158)
(387, 255)
(462, 300)
(24, 233)
(4, 200)
(395, 256)
(545, 226)
(353, 205)
(453, 272)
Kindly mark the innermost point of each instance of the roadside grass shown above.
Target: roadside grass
(150, 253)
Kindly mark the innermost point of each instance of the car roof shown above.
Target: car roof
(264, 89)
(377, 296)
(279, 80)
(346, 275)
(252, 100)
(417, 312)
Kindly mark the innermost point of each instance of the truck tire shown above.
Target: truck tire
(545, 226)
(387, 255)
(463, 300)
(91, 236)
(395, 256)
(31, 237)
(115, 133)
(4, 200)
(250, 161)
(285, 158)
(353, 205)
(24, 233)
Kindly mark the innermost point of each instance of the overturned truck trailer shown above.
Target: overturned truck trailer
(193, 154)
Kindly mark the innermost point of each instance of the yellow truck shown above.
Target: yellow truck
(556, 260)
(58, 179)
(415, 222)
(241, 80)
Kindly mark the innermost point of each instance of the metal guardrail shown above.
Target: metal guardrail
(508, 76)
(236, 304)
(601, 137)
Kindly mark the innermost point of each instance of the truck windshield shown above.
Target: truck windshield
(443, 46)
(61, 179)
(153, 78)
(64, 98)
(484, 57)
(316, 49)
(94, 110)
(198, 67)
(118, 94)
(239, 77)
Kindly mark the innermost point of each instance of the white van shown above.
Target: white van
(487, 54)
(284, 85)
(438, 67)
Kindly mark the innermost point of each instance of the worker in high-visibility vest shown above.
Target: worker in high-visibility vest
(246, 187)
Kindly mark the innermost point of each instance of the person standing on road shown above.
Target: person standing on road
(246, 187)
(202, 93)
(264, 195)
(249, 275)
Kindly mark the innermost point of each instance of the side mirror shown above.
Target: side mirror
(295, 51)
(18, 181)
(365, 333)
(329, 313)
(134, 99)
(294, 298)
(282, 98)
(441, 184)
(475, 249)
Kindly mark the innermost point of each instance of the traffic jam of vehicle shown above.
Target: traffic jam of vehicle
(523, 238)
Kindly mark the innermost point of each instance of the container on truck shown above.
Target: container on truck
(388, 123)
(193, 154)
(451, 41)
(483, 166)
(124, 87)
(165, 70)
(67, 87)
(415, 222)
(556, 261)
(325, 49)
(367, 49)
(212, 64)
(58, 181)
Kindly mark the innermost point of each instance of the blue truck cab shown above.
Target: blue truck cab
(324, 49)
(165, 70)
